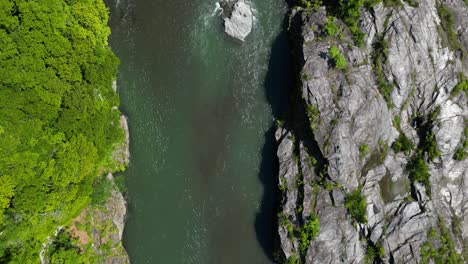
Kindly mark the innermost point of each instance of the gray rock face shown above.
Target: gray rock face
(239, 19)
(354, 128)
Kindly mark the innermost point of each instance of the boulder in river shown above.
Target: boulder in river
(238, 19)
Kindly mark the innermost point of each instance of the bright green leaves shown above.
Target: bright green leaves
(58, 121)
(350, 13)
(419, 172)
(8, 16)
(356, 205)
(92, 16)
(308, 232)
(462, 86)
(6, 192)
(330, 27)
(338, 59)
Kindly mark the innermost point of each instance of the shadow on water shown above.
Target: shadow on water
(278, 82)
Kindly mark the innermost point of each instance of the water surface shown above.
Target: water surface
(200, 105)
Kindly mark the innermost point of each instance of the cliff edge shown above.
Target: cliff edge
(373, 164)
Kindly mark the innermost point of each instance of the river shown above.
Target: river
(201, 107)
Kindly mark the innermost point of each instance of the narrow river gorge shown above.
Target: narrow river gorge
(201, 107)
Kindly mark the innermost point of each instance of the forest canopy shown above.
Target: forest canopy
(59, 121)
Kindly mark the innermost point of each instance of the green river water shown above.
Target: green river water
(201, 107)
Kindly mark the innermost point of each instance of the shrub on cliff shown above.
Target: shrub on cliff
(419, 172)
(308, 232)
(402, 143)
(330, 27)
(461, 153)
(356, 205)
(461, 86)
(338, 59)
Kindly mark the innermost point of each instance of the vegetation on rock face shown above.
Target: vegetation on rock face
(402, 143)
(428, 141)
(347, 10)
(461, 152)
(310, 4)
(440, 247)
(379, 59)
(461, 86)
(374, 253)
(58, 121)
(419, 172)
(338, 59)
(330, 27)
(292, 260)
(356, 205)
(417, 167)
(314, 116)
(64, 249)
(363, 150)
(446, 29)
(308, 232)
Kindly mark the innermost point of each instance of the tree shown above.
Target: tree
(58, 120)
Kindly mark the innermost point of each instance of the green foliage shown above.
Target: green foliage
(417, 167)
(290, 229)
(374, 253)
(392, 3)
(64, 250)
(412, 3)
(402, 143)
(446, 28)
(308, 232)
(102, 189)
(430, 145)
(330, 27)
(440, 247)
(293, 260)
(282, 185)
(314, 116)
(350, 14)
(57, 123)
(310, 4)
(461, 153)
(356, 205)
(338, 59)
(279, 123)
(371, 3)
(419, 172)
(120, 183)
(298, 180)
(428, 141)
(6, 193)
(379, 59)
(461, 86)
(363, 150)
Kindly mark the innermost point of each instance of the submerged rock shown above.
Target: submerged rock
(238, 18)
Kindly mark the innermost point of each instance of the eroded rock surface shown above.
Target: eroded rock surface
(344, 139)
(238, 19)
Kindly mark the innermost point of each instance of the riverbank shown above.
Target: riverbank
(100, 226)
(96, 233)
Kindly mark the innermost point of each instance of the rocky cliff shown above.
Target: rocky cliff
(372, 156)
